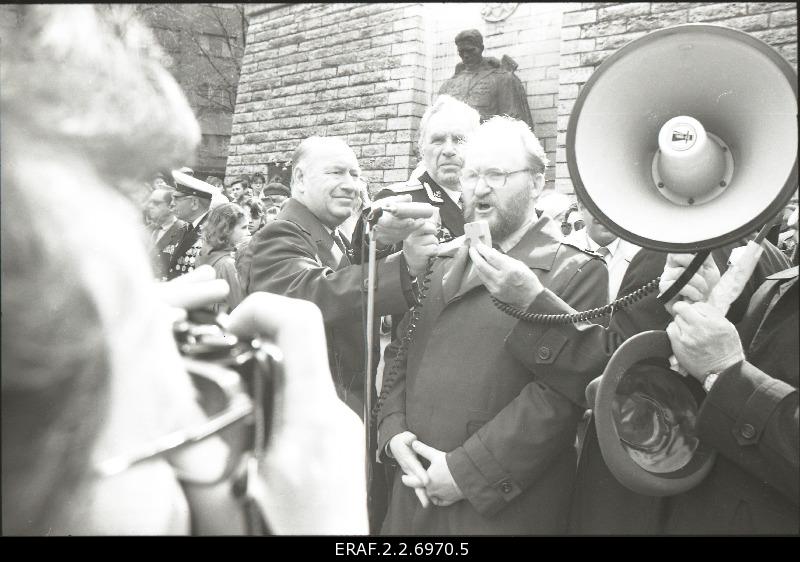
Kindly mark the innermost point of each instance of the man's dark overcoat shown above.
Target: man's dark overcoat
(508, 437)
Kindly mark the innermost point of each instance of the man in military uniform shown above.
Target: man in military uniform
(166, 231)
(485, 83)
(436, 180)
(191, 201)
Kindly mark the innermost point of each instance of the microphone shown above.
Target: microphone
(409, 210)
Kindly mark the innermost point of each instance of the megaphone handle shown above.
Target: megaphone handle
(681, 281)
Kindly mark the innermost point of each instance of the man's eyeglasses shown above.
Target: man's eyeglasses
(493, 177)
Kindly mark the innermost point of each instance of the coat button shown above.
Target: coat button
(748, 431)
(544, 353)
(506, 487)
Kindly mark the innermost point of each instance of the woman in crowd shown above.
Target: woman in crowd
(226, 227)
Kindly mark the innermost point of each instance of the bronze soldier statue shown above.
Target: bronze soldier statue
(488, 85)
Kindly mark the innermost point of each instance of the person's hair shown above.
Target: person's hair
(306, 147)
(220, 224)
(254, 207)
(445, 102)
(214, 180)
(259, 176)
(508, 127)
(86, 106)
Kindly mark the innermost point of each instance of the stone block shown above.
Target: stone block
(765, 7)
(713, 12)
(579, 17)
(372, 150)
(570, 61)
(382, 137)
(616, 41)
(541, 101)
(603, 29)
(398, 149)
(358, 139)
(785, 17)
(386, 111)
(659, 21)
(578, 46)
(539, 87)
(402, 123)
(624, 10)
(364, 114)
(777, 36)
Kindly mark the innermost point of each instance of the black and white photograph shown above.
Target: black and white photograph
(399, 279)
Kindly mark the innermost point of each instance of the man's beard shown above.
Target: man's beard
(507, 219)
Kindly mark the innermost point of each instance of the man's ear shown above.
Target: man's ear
(537, 185)
(297, 179)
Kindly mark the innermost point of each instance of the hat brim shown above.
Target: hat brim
(659, 480)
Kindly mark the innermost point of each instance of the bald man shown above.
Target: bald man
(303, 254)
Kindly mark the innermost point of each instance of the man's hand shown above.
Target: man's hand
(507, 279)
(441, 487)
(414, 475)
(703, 340)
(402, 217)
(699, 286)
(420, 246)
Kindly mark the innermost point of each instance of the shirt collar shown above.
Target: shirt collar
(612, 247)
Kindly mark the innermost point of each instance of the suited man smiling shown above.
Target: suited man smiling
(303, 254)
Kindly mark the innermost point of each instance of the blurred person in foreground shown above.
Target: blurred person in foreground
(90, 366)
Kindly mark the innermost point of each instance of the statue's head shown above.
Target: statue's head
(470, 46)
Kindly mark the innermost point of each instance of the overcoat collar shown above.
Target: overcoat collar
(537, 249)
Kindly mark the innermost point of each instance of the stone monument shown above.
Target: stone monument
(485, 83)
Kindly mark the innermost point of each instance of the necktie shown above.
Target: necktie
(605, 252)
(460, 201)
(337, 239)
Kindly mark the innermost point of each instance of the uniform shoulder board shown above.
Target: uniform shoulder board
(404, 187)
(584, 250)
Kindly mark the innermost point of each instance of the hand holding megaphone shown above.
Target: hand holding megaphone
(720, 293)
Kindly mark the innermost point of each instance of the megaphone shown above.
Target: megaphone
(683, 140)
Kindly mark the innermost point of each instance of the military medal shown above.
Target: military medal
(434, 197)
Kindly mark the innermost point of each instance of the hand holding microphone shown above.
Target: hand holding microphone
(396, 218)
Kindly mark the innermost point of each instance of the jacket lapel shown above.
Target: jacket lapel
(297, 213)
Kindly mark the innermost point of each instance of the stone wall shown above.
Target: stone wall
(356, 71)
(593, 31)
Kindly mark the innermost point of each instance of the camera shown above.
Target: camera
(237, 380)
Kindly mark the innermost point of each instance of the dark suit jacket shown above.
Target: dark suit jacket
(292, 256)
(161, 252)
(508, 438)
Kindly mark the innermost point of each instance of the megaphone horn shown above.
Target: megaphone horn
(695, 128)
(682, 141)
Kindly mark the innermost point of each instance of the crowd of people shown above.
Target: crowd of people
(484, 421)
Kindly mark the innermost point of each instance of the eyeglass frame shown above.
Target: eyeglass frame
(478, 176)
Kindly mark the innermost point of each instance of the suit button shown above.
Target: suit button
(748, 431)
(544, 353)
(506, 487)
